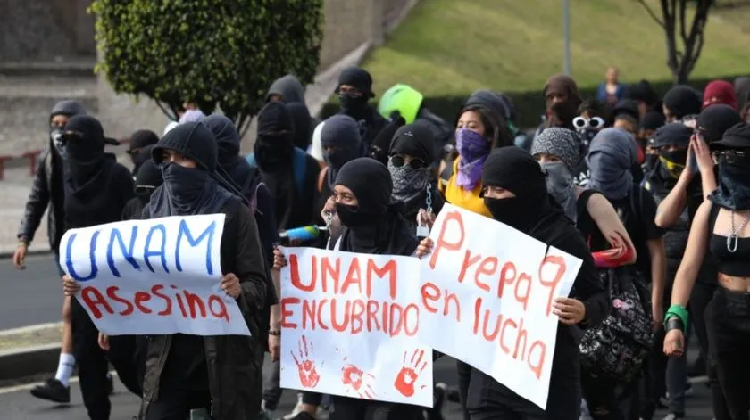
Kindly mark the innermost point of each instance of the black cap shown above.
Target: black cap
(737, 137)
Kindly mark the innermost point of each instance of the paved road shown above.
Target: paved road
(19, 405)
(30, 296)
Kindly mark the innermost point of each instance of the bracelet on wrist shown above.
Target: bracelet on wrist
(274, 332)
(679, 312)
(674, 323)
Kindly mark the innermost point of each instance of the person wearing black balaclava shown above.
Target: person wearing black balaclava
(515, 192)
(303, 125)
(278, 162)
(680, 102)
(341, 142)
(370, 225)
(137, 142)
(720, 229)
(562, 99)
(671, 141)
(185, 372)
(411, 154)
(644, 94)
(648, 124)
(147, 180)
(96, 188)
(47, 194)
(354, 90)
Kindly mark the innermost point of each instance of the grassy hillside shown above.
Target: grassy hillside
(452, 47)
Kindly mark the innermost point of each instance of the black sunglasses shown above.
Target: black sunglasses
(730, 156)
(71, 136)
(144, 189)
(399, 161)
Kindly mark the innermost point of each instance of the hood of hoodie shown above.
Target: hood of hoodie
(497, 103)
(69, 108)
(290, 89)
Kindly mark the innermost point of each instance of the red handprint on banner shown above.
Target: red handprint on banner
(357, 382)
(308, 374)
(409, 374)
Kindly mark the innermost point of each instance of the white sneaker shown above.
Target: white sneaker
(585, 415)
(297, 408)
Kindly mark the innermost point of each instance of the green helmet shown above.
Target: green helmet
(402, 98)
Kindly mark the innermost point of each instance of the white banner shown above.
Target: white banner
(154, 276)
(486, 294)
(350, 325)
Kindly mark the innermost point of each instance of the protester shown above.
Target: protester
(136, 144)
(562, 100)
(147, 180)
(742, 93)
(192, 115)
(47, 195)
(720, 227)
(610, 159)
(303, 125)
(515, 192)
(648, 124)
(672, 142)
(289, 173)
(96, 190)
(183, 371)
(287, 89)
(644, 94)
(681, 102)
(354, 90)
(411, 155)
(719, 92)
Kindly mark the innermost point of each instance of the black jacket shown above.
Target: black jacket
(234, 370)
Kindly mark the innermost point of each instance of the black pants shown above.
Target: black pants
(93, 363)
(356, 409)
(175, 402)
(699, 298)
(464, 379)
(610, 399)
(729, 335)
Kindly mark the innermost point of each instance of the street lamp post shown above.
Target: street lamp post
(566, 37)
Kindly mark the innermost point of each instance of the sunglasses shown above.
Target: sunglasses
(71, 136)
(729, 156)
(399, 161)
(581, 123)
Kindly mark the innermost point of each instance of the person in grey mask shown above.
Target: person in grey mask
(557, 151)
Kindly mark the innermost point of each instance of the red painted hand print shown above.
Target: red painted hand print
(308, 374)
(357, 382)
(409, 374)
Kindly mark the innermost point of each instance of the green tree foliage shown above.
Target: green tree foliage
(212, 52)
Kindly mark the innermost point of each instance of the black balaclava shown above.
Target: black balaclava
(373, 226)
(627, 107)
(651, 120)
(228, 143)
(143, 156)
(672, 163)
(342, 133)
(188, 191)
(683, 101)
(303, 126)
(147, 180)
(734, 178)
(715, 120)
(84, 149)
(274, 145)
(141, 139)
(289, 88)
(515, 170)
(409, 183)
(356, 106)
(561, 114)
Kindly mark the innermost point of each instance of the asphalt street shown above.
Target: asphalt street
(18, 404)
(30, 296)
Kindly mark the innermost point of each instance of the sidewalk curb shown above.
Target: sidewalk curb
(29, 361)
(9, 254)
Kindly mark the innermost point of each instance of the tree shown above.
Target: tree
(222, 53)
(676, 26)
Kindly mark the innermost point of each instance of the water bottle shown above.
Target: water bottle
(302, 234)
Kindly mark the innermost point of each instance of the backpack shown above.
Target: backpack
(300, 168)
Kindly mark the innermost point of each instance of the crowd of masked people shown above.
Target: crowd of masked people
(652, 194)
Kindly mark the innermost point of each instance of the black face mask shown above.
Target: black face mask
(506, 210)
(272, 150)
(335, 159)
(83, 151)
(351, 216)
(678, 156)
(650, 161)
(354, 106)
(184, 185)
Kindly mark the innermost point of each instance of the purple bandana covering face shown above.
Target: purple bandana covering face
(473, 150)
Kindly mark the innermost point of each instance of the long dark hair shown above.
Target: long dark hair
(495, 125)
